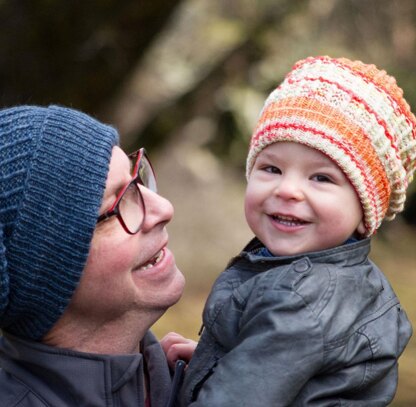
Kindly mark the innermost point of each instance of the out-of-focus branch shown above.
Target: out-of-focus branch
(199, 37)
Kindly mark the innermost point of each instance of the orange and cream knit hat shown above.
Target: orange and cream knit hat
(356, 115)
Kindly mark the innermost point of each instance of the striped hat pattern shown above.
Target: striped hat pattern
(356, 115)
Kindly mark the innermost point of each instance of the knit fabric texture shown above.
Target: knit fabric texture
(356, 115)
(54, 163)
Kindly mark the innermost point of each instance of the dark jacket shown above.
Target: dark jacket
(36, 375)
(319, 329)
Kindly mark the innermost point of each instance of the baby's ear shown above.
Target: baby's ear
(361, 228)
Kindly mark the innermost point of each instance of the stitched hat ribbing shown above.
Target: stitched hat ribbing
(355, 114)
(53, 168)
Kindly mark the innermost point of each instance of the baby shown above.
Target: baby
(302, 317)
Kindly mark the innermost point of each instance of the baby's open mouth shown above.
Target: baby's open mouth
(288, 220)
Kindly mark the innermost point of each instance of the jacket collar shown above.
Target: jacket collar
(347, 254)
(84, 378)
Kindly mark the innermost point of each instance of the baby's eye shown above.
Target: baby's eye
(321, 178)
(272, 169)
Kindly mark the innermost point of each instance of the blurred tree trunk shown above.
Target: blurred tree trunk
(201, 37)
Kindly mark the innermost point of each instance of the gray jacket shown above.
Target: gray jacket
(35, 375)
(319, 329)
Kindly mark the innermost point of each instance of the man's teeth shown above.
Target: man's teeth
(288, 220)
(153, 261)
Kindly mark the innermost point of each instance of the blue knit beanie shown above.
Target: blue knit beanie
(53, 168)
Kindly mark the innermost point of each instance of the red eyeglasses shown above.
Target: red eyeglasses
(129, 205)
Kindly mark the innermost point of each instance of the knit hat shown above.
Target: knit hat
(356, 115)
(53, 168)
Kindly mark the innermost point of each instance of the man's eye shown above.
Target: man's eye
(272, 169)
(321, 178)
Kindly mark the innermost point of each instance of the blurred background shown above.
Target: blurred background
(187, 79)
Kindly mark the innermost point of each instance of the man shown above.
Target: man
(84, 265)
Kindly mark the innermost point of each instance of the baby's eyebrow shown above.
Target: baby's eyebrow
(323, 167)
(268, 156)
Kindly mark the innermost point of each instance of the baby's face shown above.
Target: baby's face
(298, 200)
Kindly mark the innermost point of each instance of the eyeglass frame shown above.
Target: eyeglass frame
(136, 180)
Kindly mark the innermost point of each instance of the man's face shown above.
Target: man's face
(298, 200)
(129, 274)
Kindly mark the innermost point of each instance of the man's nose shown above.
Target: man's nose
(158, 210)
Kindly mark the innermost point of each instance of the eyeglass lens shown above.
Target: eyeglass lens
(131, 208)
(146, 174)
